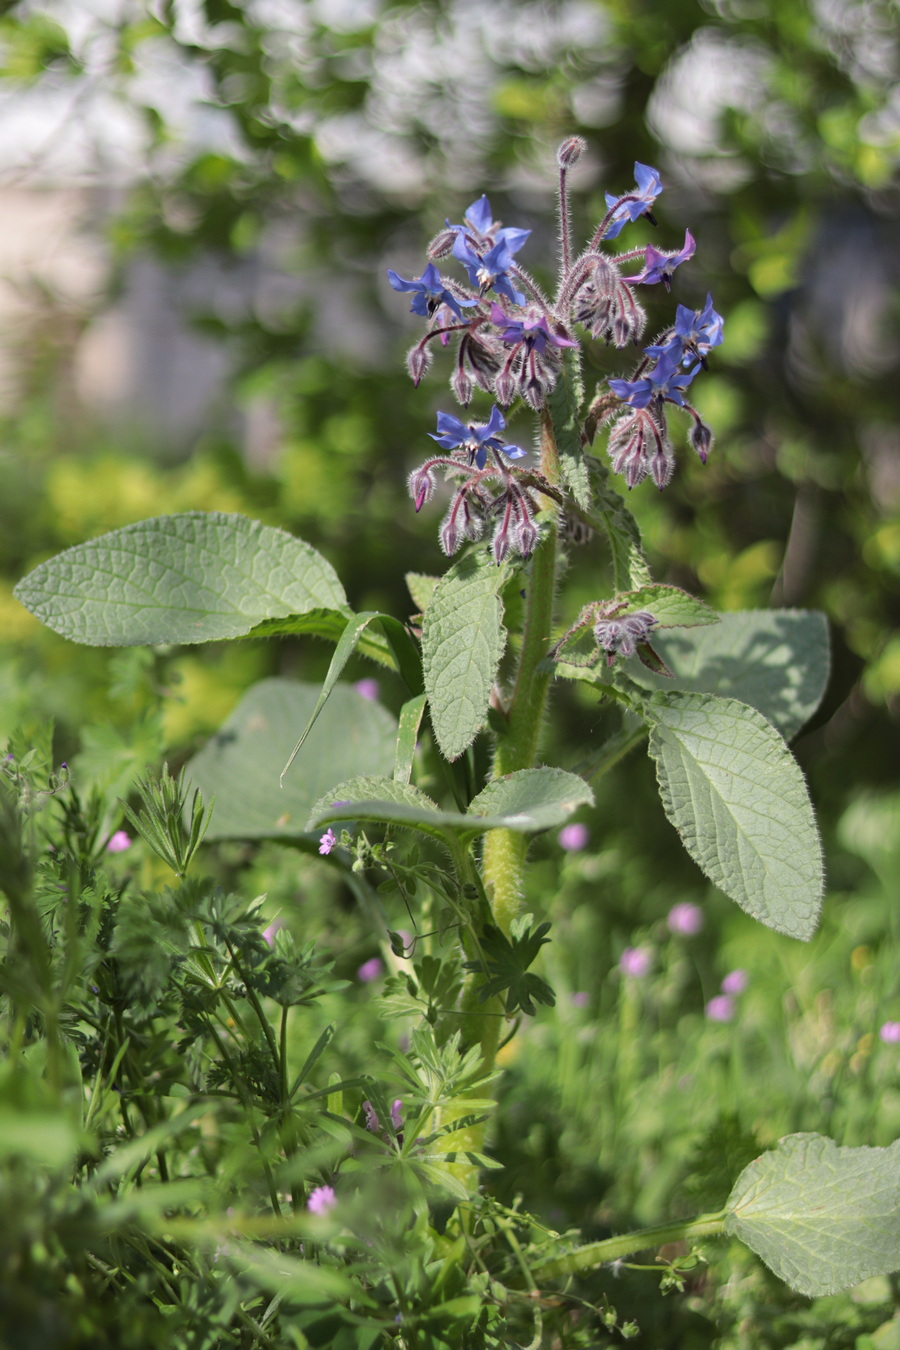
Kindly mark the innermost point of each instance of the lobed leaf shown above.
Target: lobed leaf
(823, 1218)
(196, 577)
(463, 638)
(736, 796)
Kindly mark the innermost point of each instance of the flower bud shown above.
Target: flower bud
(570, 151)
(505, 388)
(461, 386)
(441, 244)
(418, 359)
(421, 486)
(701, 439)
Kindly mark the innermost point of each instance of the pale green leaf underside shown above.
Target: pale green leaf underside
(195, 577)
(736, 796)
(462, 642)
(526, 802)
(823, 1218)
(777, 660)
(240, 765)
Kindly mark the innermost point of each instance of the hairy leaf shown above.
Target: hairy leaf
(564, 403)
(823, 1218)
(240, 765)
(187, 578)
(736, 795)
(462, 641)
(670, 606)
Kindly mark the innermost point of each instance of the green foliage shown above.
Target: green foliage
(504, 963)
(737, 798)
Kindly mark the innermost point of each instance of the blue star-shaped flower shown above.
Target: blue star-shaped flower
(480, 222)
(649, 186)
(474, 437)
(665, 381)
(660, 266)
(534, 331)
(490, 271)
(430, 293)
(697, 331)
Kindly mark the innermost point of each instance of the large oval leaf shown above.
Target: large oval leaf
(240, 766)
(194, 577)
(822, 1217)
(736, 795)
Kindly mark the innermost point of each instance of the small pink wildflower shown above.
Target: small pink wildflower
(635, 962)
(685, 919)
(720, 1008)
(118, 842)
(573, 838)
(370, 970)
(269, 933)
(890, 1033)
(368, 689)
(580, 999)
(328, 841)
(321, 1200)
(735, 982)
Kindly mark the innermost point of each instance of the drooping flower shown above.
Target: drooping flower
(665, 380)
(476, 438)
(480, 223)
(633, 205)
(635, 962)
(118, 842)
(533, 330)
(429, 293)
(660, 266)
(696, 332)
(573, 838)
(685, 919)
(489, 271)
(720, 1008)
(321, 1200)
(735, 982)
(328, 841)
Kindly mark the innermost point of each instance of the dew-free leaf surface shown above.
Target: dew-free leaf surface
(823, 1218)
(736, 796)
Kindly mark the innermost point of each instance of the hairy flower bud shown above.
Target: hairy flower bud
(570, 151)
(505, 387)
(461, 386)
(421, 486)
(620, 636)
(701, 439)
(418, 359)
(441, 244)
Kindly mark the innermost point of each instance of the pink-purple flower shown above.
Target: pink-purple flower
(370, 970)
(269, 933)
(635, 962)
(685, 919)
(720, 1008)
(735, 982)
(328, 841)
(368, 689)
(890, 1033)
(118, 842)
(321, 1200)
(660, 266)
(573, 837)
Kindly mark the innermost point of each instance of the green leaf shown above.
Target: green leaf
(823, 1218)
(776, 660)
(329, 624)
(670, 606)
(240, 765)
(564, 404)
(462, 641)
(539, 798)
(610, 514)
(196, 577)
(736, 795)
(421, 588)
(505, 966)
(411, 715)
(525, 802)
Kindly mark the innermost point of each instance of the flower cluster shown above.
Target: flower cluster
(511, 340)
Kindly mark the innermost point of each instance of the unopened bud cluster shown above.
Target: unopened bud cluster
(510, 341)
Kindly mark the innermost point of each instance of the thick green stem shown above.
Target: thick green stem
(504, 851)
(615, 1248)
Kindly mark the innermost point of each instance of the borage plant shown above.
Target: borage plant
(713, 703)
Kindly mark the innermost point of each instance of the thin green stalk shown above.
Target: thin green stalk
(615, 1248)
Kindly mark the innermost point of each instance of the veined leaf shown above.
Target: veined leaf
(736, 795)
(670, 606)
(823, 1218)
(610, 514)
(195, 577)
(462, 641)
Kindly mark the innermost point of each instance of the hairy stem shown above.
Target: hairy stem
(615, 1248)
